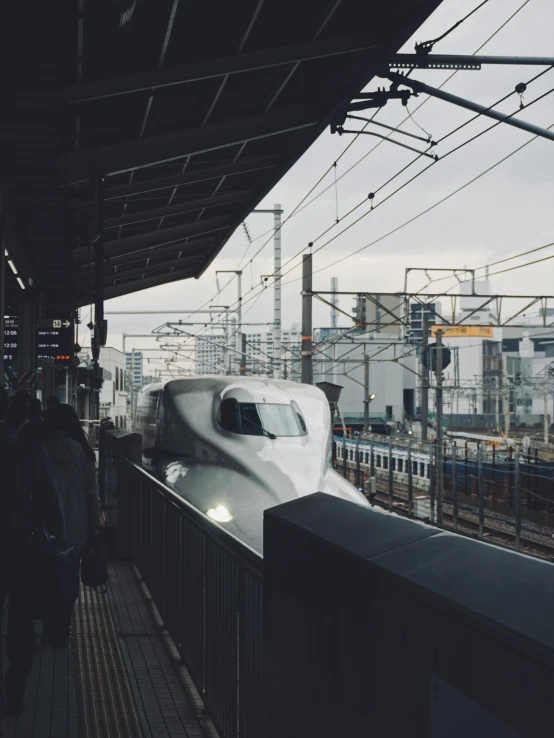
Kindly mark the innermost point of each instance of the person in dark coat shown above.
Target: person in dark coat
(28, 502)
(52, 401)
(74, 463)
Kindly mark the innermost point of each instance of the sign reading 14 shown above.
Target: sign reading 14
(60, 323)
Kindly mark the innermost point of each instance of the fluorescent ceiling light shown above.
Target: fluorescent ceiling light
(12, 266)
(21, 283)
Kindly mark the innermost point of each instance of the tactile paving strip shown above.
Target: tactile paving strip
(106, 705)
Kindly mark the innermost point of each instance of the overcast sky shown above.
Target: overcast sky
(508, 210)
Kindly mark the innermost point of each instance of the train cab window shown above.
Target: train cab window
(261, 419)
(385, 462)
(414, 467)
(421, 469)
(228, 415)
(378, 460)
(400, 465)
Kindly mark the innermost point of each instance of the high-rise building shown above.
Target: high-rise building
(378, 314)
(211, 357)
(134, 368)
(418, 314)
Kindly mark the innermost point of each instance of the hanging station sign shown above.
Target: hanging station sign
(55, 340)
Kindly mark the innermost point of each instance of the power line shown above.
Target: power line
(414, 218)
(427, 210)
(424, 102)
(428, 45)
(448, 153)
(299, 205)
(486, 266)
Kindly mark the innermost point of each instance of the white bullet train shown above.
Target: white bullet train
(235, 446)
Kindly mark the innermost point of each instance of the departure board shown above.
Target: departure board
(11, 339)
(55, 340)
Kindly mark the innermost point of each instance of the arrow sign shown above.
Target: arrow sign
(66, 323)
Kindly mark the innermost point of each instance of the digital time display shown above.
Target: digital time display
(11, 339)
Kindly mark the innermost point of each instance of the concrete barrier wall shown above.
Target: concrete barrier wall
(375, 625)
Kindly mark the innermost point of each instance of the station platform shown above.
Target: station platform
(120, 677)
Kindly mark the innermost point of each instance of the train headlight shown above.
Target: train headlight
(220, 514)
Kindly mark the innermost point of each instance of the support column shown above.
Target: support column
(424, 382)
(240, 342)
(366, 392)
(307, 370)
(277, 293)
(2, 296)
(242, 356)
(27, 340)
(439, 448)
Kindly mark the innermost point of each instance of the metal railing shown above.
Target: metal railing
(207, 586)
(503, 496)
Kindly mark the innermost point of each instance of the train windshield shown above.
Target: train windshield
(261, 419)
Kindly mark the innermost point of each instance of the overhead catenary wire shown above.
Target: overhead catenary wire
(414, 218)
(424, 102)
(419, 215)
(299, 207)
(448, 153)
(428, 45)
(487, 266)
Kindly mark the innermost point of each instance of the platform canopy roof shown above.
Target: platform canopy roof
(190, 112)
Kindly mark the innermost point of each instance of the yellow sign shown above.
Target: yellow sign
(461, 331)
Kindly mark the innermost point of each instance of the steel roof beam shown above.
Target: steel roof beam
(144, 284)
(149, 270)
(189, 177)
(162, 237)
(168, 77)
(183, 207)
(193, 177)
(200, 245)
(145, 152)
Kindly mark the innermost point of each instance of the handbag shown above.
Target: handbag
(94, 571)
(56, 579)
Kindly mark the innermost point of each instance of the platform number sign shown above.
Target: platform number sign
(55, 341)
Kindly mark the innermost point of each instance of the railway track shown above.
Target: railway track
(497, 531)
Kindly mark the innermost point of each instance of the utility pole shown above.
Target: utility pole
(545, 396)
(424, 381)
(276, 361)
(238, 340)
(507, 402)
(2, 297)
(438, 443)
(242, 370)
(307, 370)
(277, 293)
(497, 380)
(334, 301)
(366, 393)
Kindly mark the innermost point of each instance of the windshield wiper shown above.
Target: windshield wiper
(263, 430)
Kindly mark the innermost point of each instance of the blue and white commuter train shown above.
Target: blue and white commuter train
(236, 446)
